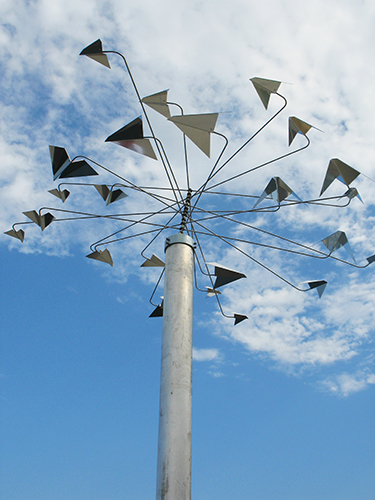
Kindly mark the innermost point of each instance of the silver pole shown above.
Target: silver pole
(174, 446)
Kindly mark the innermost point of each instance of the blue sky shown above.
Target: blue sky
(283, 403)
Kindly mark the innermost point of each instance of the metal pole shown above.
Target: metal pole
(174, 446)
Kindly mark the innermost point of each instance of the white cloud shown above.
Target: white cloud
(300, 330)
(345, 384)
(216, 374)
(206, 354)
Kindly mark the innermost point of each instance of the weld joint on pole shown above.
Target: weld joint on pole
(180, 238)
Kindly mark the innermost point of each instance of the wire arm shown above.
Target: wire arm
(210, 276)
(123, 179)
(261, 165)
(272, 208)
(171, 171)
(154, 238)
(142, 221)
(124, 186)
(315, 201)
(156, 286)
(290, 241)
(263, 231)
(94, 246)
(251, 138)
(185, 146)
(143, 110)
(225, 240)
(264, 245)
(86, 215)
(200, 191)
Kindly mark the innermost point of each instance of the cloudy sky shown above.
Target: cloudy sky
(283, 403)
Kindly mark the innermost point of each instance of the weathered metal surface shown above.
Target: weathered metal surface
(174, 448)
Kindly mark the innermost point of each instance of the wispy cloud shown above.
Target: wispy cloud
(345, 384)
(206, 354)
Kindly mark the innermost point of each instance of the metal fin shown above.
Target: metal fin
(157, 312)
(225, 275)
(158, 102)
(131, 137)
(41, 220)
(153, 261)
(197, 128)
(20, 234)
(318, 284)
(336, 241)
(297, 126)
(101, 255)
(95, 52)
(265, 88)
(62, 195)
(238, 318)
(337, 169)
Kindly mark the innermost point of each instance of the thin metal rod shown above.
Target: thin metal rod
(315, 201)
(123, 178)
(260, 166)
(274, 208)
(133, 223)
(200, 191)
(156, 286)
(154, 238)
(264, 245)
(117, 217)
(209, 275)
(185, 146)
(263, 231)
(95, 246)
(147, 119)
(104, 241)
(171, 170)
(142, 189)
(225, 240)
(253, 136)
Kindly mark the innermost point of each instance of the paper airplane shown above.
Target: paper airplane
(158, 311)
(131, 137)
(63, 167)
(238, 318)
(101, 255)
(109, 195)
(197, 128)
(41, 220)
(318, 284)
(265, 88)
(339, 170)
(297, 126)
(352, 193)
(336, 241)
(158, 102)
(224, 275)
(20, 235)
(279, 191)
(95, 52)
(153, 261)
(62, 195)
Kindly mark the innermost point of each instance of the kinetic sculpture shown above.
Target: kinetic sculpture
(187, 212)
